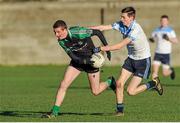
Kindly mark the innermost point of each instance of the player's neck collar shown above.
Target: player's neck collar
(69, 33)
(131, 24)
(130, 27)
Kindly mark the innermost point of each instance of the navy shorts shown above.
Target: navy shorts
(140, 68)
(163, 58)
(84, 67)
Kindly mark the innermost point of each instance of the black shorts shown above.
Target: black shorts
(84, 67)
(163, 58)
(140, 68)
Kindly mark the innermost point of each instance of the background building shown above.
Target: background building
(26, 35)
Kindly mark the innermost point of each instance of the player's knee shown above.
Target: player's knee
(165, 73)
(131, 92)
(95, 92)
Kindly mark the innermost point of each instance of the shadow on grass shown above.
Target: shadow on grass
(21, 114)
(171, 85)
(32, 114)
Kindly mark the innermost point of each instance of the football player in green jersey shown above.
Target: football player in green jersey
(77, 43)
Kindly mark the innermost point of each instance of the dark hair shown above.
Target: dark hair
(130, 11)
(165, 16)
(60, 23)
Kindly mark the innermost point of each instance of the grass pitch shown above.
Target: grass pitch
(28, 91)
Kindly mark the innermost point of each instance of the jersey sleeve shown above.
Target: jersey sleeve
(115, 26)
(153, 34)
(172, 34)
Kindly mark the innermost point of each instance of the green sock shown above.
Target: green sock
(55, 110)
(108, 81)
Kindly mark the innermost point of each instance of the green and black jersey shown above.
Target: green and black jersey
(78, 44)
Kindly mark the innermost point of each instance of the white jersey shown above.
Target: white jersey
(163, 46)
(139, 47)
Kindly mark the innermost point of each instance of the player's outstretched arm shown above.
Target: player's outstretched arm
(102, 27)
(172, 40)
(117, 46)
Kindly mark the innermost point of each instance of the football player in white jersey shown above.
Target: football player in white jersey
(164, 36)
(138, 63)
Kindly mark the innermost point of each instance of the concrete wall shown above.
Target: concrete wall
(26, 35)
